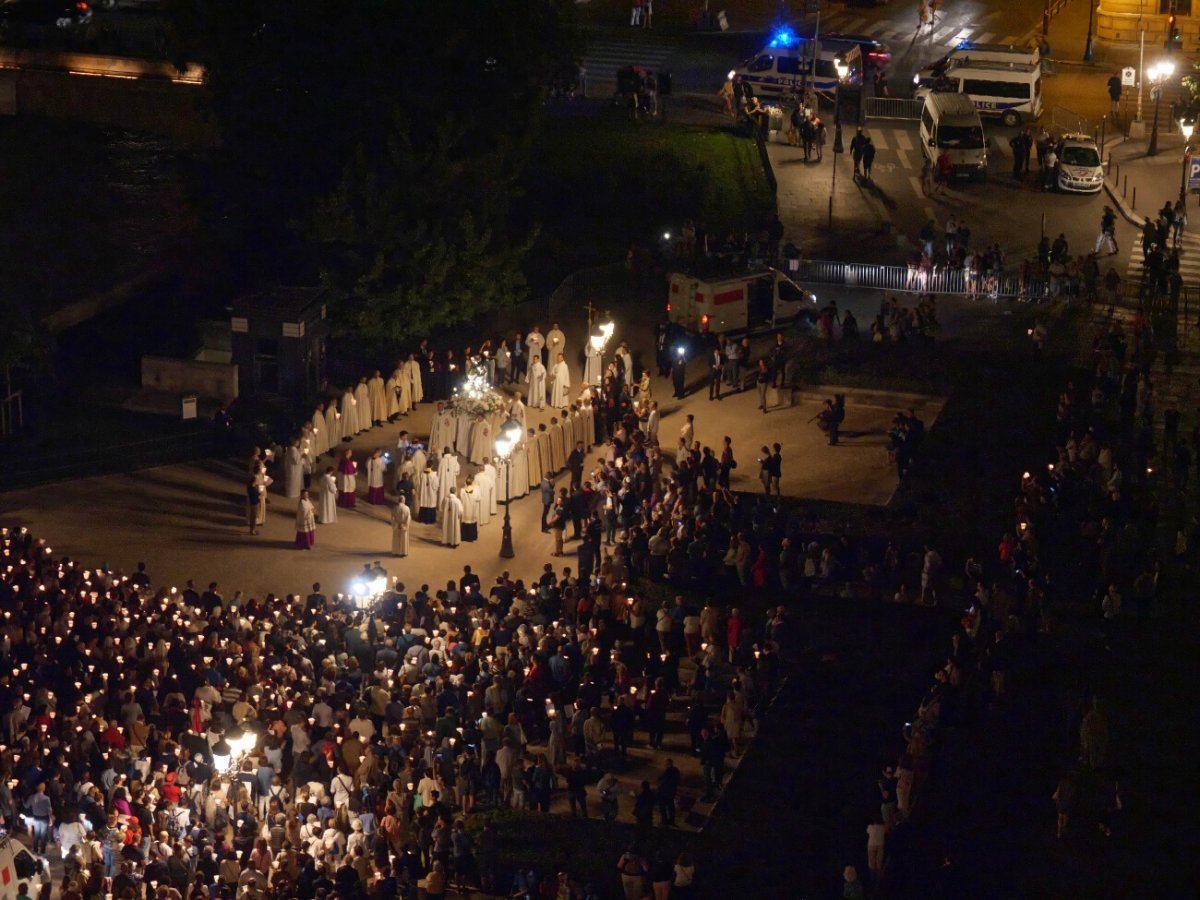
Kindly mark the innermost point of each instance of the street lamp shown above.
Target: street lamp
(842, 69)
(1158, 75)
(598, 342)
(506, 442)
(1087, 48)
(1187, 127)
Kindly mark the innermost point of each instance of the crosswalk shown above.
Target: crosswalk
(1189, 259)
(603, 57)
(900, 31)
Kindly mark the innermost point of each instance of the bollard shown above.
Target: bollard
(1117, 173)
(1133, 201)
(1125, 187)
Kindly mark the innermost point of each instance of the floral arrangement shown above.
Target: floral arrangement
(474, 397)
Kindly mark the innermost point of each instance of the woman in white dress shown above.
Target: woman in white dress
(560, 380)
(306, 523)
(329, 496)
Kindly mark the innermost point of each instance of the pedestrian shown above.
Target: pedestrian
(876, 837)
(922, 15)
(1017, 143)
(306, 522)
(726, 95)
(868, 157)
(728, 463)
(635, 14)
(764, 468)
(776, 470)
(762, 381)
(1115, 88)
(647, 13)
(820, 138)
(679, 373)
(857, 144)
(1064, 803)
(633, 868)
(1179, 221)
(716, 366)
(927, 186)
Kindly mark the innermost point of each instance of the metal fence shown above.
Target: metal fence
(907, 108)
(913, 279)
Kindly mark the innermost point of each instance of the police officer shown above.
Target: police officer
(679, 371)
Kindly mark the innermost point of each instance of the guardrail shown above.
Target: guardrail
(913, 279)
(907, 108)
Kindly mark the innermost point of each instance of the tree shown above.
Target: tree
(379, 143)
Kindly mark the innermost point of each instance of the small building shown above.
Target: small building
(1122, 22)
(278, 340)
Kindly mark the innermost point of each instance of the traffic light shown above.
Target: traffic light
(1174, 38)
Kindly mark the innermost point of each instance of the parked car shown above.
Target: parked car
(1079, 167)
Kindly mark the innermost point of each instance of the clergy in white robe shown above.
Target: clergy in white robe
(535, 469)
(401, 519)
(419, 459)
(320, 435)
(537, 383)
(503, 476)
(328, 499)
(347, 480)
(362, 394)
(437, 440)
(391, 394)
(480, 444)
(520, 472)
(448, 469)
(560, 381)
(349, 421)
(426, 484)
(333, 426)
(568, 426)
(556, 342)
(517, 411)
(416, 392)
(558, 449)
(487, 475)
(544, 454)
(452, 514)
(306, 523)
(293, 471)
(376, 470)
(379, 411)
(589, 425)
(592, 372)
(462, 434)
(627, 360)
(469, 529)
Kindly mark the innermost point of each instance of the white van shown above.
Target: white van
(1013, 92)
(758, 301)
(967, 51)
(780, 67)
(18, 866)
(950, 123)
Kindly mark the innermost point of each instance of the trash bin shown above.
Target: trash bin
(188, 404)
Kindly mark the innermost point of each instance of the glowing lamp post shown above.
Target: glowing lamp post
(1187, 127)
(506, 442)
(842, 69)
(1158, 75)
(598, 342)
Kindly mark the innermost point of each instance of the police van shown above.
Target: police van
(18, 866)
(950, 124)
(980, 53)
(1012, 92)
(788, 61)
(749, 302)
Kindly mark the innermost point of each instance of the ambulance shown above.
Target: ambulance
(18, 866)
(760, 301)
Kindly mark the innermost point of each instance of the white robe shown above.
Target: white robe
(652, 427)
(470, 506)
(391, 388)
(537, 384)
(503, 481)
(520, 472)
(558, 448)
(569, 435)
(333, 425)
(545, 455)
(419, 460)
(479, 446)
(426, 488)
(556, 343)
(306, 517)
(379, 405)
(349, 415)
(293, 472)
(535, 468)
(329, 495)
(462, 434)
(401, 519)
(488, 477)
(484, 492)
(320, 442)
(376, 468)
(362, 394)
(448, 469)
(347, 483)
(452, 513)
(627, 357)
(416, 392)
(517, 411)
(592, 372)
(560, 379)
(445, 425)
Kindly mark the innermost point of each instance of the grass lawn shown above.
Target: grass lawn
(598, 186)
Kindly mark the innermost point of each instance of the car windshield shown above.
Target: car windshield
(961, 137)
(1080, 156)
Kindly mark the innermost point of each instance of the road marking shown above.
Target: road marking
(943, 34)
(964, 34)
(903, 140)
(985, 38)
(879, 139)
(916, 186)
(853, 26)
(1012, 40)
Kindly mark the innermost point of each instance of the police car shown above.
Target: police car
(789, 62)
(1079, 166)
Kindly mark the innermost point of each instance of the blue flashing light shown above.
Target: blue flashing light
(965, 44)
(784, 37)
